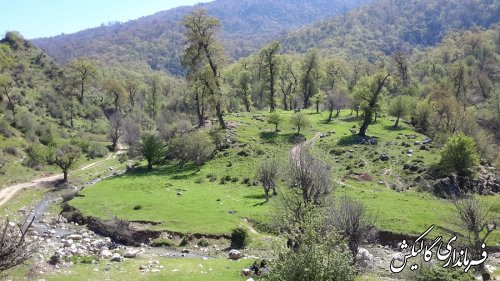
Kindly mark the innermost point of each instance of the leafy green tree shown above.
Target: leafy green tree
(203, 49)
(115, 129)
(196, 146)
(310, 76)
(459, 155)
(117, 92)
(83, 71)
(275, 119)
(270, 58)
(244, 89)
(299, 121)
(288, 81)
(66, 158)
(369, 91)
(400, 107)
(151, 149)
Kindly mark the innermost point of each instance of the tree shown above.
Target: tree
(336, 100)
(288, 81)
(479, 223)
(152, 95)
(311, 73)
(196, 146)
(308, 175)
(351, 220)
(400, 107)
(269, 54)
(267, 174)
(83, 70)
(66, 157)
(132, 87)
(151, 149)
(204, 49)
(115, 129)
(275, 119)
(318, 98)
(117, 91)
(299, 121)
(6, 85)
(244, 90)
(459, 155)
(15, 249)
(368, 91)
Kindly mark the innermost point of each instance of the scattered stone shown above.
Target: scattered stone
(384, 157)
(185, 251)
(130, 254)
(117, 258)
(235, 254)
(106, 254)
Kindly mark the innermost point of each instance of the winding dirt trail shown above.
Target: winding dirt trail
(8, 192)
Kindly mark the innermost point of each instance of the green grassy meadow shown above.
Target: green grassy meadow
(209, 206)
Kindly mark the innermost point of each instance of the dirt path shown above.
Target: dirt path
(8, 192)
(296, 149)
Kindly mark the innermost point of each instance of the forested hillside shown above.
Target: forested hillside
(386, 26)
(156, 40)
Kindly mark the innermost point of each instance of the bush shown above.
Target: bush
(275, 119)
(239, 238)
(97, 150)
(299, 121)
(162, 242)
(137, 207)
(203, 243)
(14, 151)
(459, 155)
(122, 158)
(5, 129)
(38, 156)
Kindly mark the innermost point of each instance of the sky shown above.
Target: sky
(44, 18)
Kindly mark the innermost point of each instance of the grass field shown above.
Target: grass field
(212, 207)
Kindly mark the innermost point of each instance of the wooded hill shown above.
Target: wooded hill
(156, 41)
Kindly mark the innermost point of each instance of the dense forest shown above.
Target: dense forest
(156, 41)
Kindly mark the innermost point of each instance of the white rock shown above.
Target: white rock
(75, 237)
(106, 254)
(235, 254)
(116, 257)
(130, 254)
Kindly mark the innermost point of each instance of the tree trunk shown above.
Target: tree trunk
(65, 176)
(317, 107)
(271, 96)
(338, 113)
(218, 112)
(330, 116)
(80, 98)
(397, 123)
(150, 165)
(276, 127)
(366, 122)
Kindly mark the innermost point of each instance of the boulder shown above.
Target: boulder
(116, 257)
(363, 254)
(130, 254)
(106, 254)
(384, 157)
(235, 254)
(75, 237)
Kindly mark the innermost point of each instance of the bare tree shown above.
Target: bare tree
(267, 174)
(350, 219)
(131, 132)
(336, 101)
(15, 248)
(309, 175)
(477, 220)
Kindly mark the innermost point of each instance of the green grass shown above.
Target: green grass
(204, 206)
(25, 198)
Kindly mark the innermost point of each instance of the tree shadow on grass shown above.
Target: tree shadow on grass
(349, 140)
(392, 128)
(169, 169)
(274, 137)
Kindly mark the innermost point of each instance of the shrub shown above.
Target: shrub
(299, 121)
(137, 207)
(122, 158)
(435, 273)
(185, 240)
(239, 238)
(162, 242)
(203, 243)
(37, 156)
(459, 155)
(12, 151)
(97, 150)
(5, 129)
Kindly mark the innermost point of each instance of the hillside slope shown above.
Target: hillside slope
(385, 26)
(156, 40)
